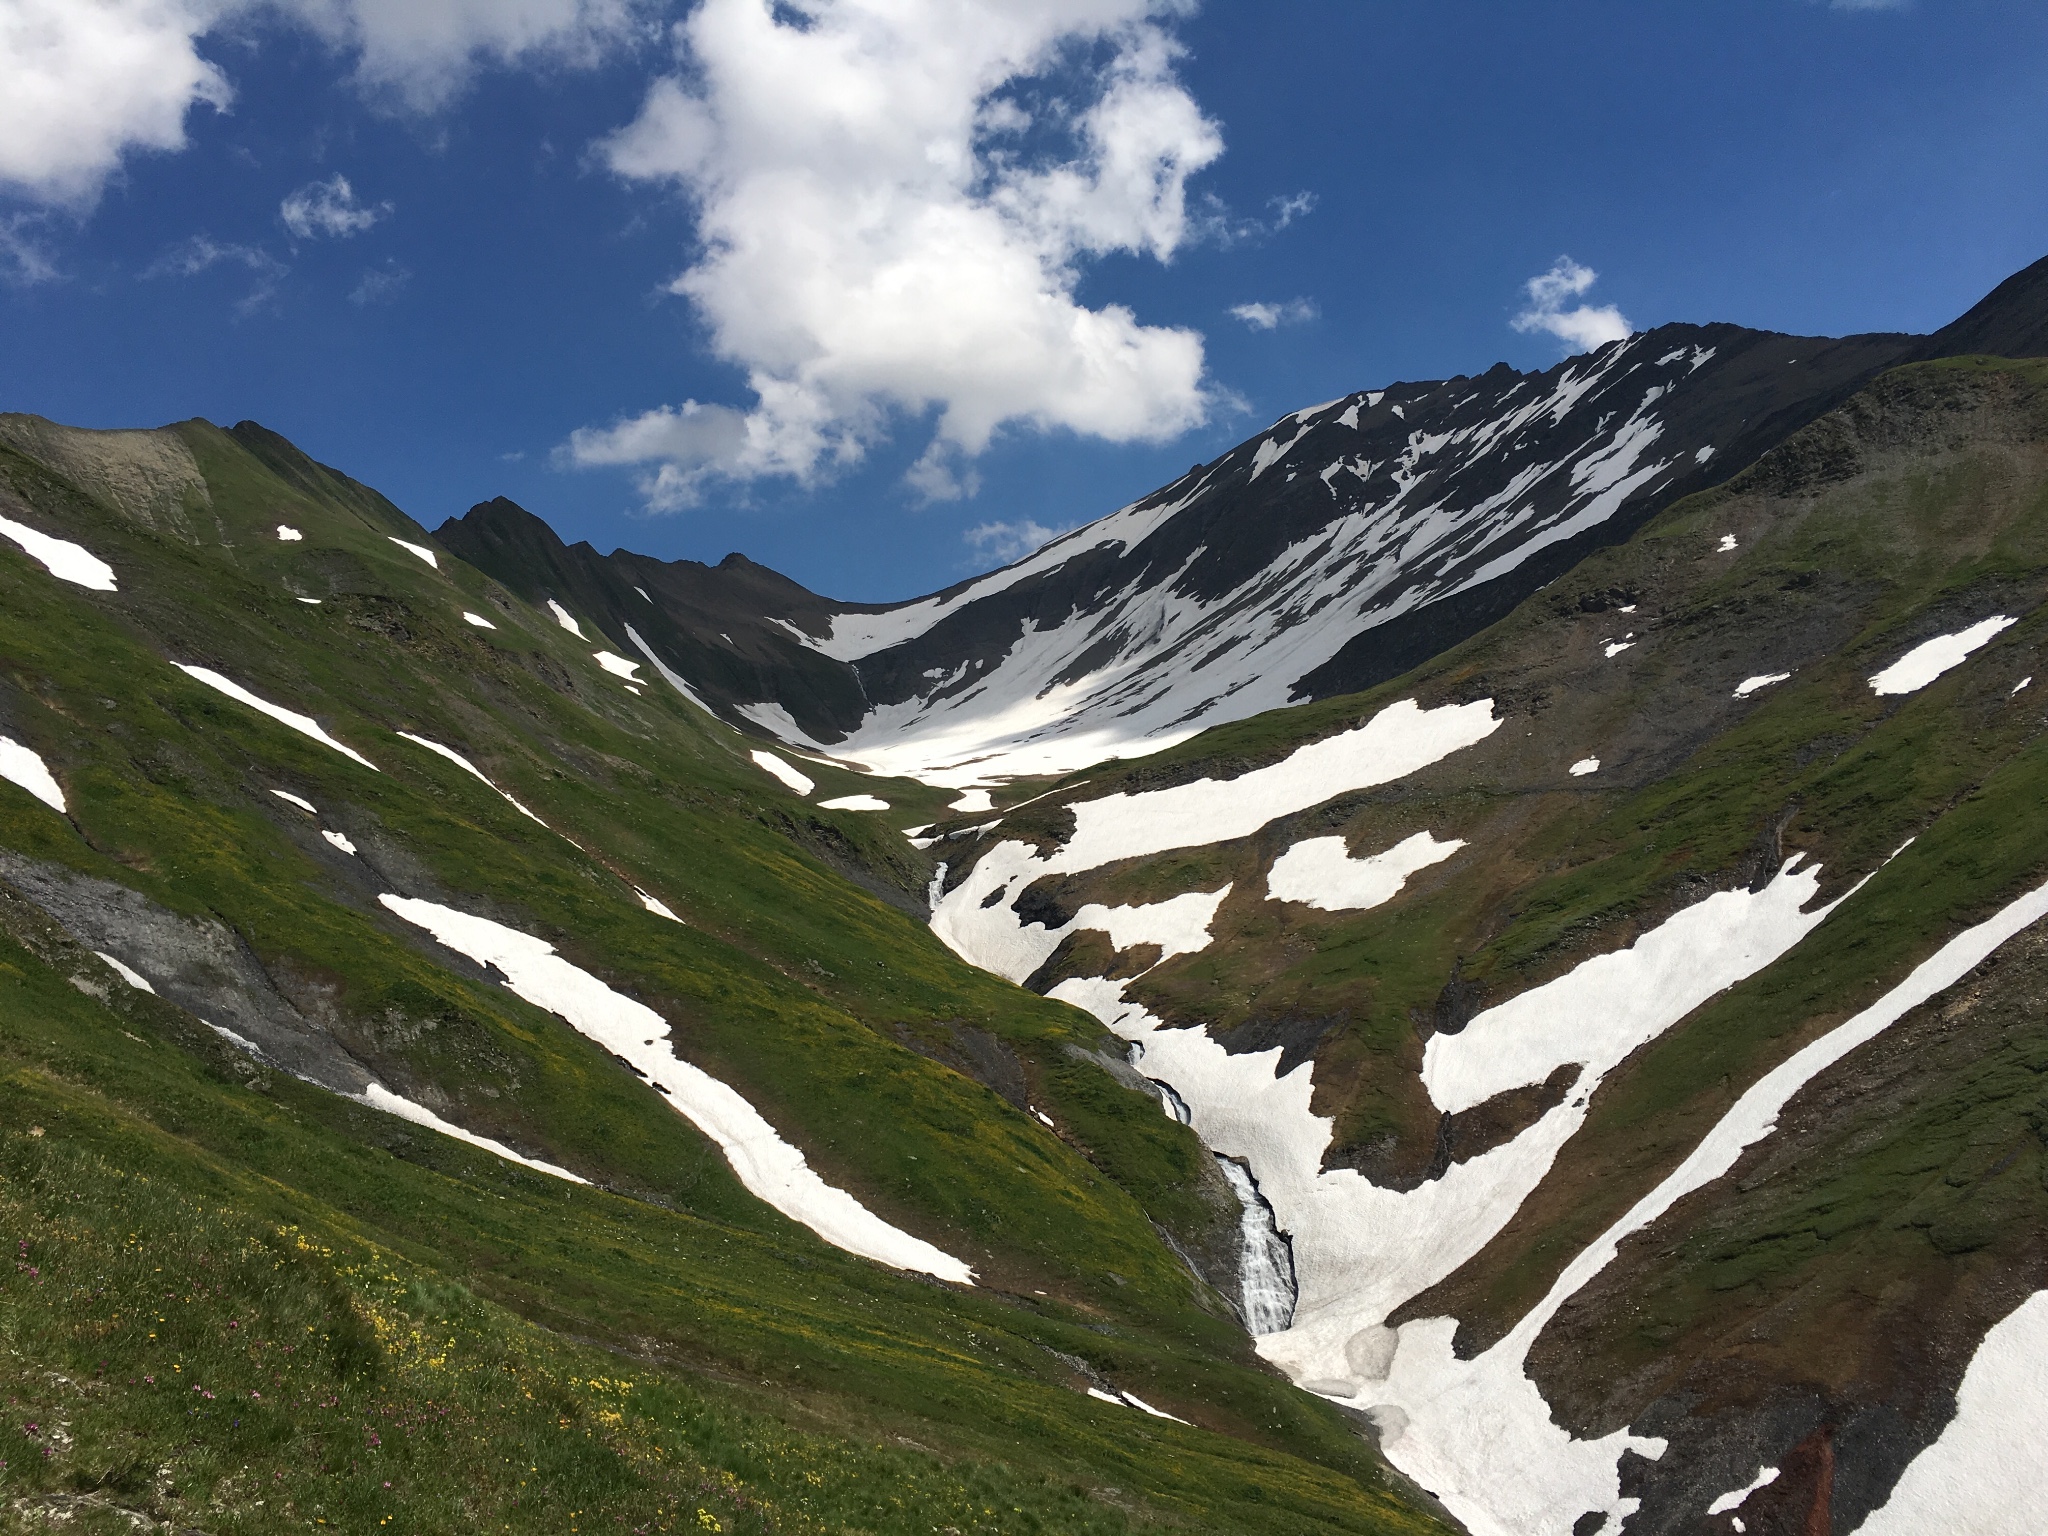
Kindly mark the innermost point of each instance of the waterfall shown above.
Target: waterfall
(936, 891)
(1265, 1262)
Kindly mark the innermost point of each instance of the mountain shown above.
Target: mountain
(1488, 974)
(1343, 545)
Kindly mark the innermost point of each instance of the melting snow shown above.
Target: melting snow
(339, 840)
(769, 1166)
(1750, 685)
(288, 534)
(1928, 660)
(618, 666)
(469, 768)
(854, 803)
(562, 618)
(1584, 766)
(655, 905)
(60, 557)
(1983, 1475)
(377, 1096)
(1733, 1500)
(421, 550)
(305, 805)
(477, 619)
(23, 766)
(770, 763)
(133, 977)
(1322, 873)
(305, 725)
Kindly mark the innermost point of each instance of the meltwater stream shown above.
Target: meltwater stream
(1265, 1262)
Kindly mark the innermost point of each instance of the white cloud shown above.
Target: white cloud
(203, 252)
(328, 208)
(1267, 317)
(422, 52)
(1005, 542)
(380, 285)
(1583, 327)
(24, 258)
(86, 81)
(878, 242)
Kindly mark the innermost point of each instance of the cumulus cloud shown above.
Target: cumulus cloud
(1004, 542)
(328, 208)
(88, 82)
(1582, 327)
(1269, 317)
(892, 225)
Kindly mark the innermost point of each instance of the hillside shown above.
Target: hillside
(462, 1058)
(1475, 963)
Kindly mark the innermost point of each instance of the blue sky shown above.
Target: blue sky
(946, 267)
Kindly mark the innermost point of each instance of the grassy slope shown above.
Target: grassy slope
(782, 978)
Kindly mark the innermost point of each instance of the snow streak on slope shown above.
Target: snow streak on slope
(61, 558)
(769, 1166)
(1169, 616)
(1983, 1476)
(24, 766)
(305, 725)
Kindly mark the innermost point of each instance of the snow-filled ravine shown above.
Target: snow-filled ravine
(767, 1165)
(1475, 1432)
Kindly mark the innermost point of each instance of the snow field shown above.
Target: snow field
(1321, 872)
(1929, 659)
(420, 550)
(61, 558)
(767, 1165)
(769, 763)
(305, 725)
(1983, 1476)
(24, 767)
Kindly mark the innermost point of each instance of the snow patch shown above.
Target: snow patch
(61, 558)
(769, 1166)
(655, 905)
(1929, 659)
(1983, 1475)
(668, 673)
(1727, 543)
(420, 550)
(1321, 872)
(477, 620)
(471, 769)
(617, 665)
(1750, 685)
(305, 725)
(24, 766)
(133, 977)
(1584, 766)
(305, 805)
(562, 618)
(772, 764)
(377, 1096)
(2016, 687)
(339, 840)
(1733, 1499)
(974, 802)
(854, 803)
(287, 534)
